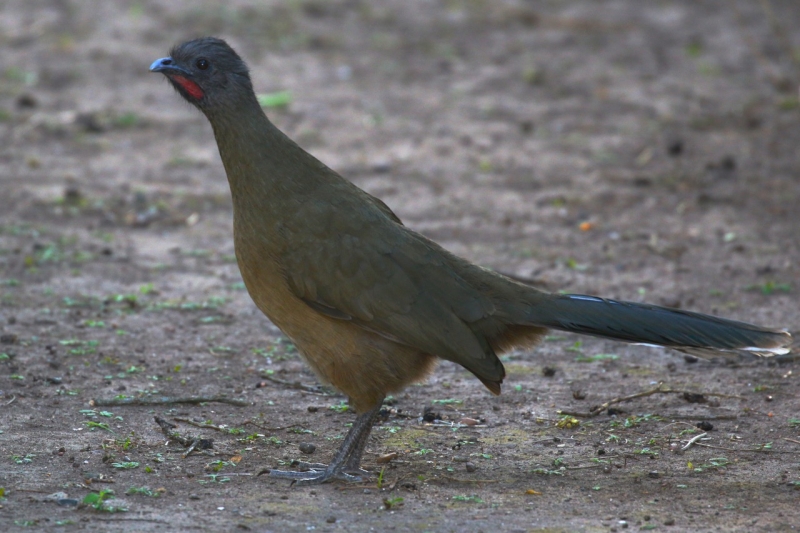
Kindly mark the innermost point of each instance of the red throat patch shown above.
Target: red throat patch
(189, 86)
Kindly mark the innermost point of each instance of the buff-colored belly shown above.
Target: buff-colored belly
(362, 364)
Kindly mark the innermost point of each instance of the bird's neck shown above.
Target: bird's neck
(267, 171)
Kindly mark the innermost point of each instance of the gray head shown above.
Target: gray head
(208, 73)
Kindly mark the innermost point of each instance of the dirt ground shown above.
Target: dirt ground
(638, 150)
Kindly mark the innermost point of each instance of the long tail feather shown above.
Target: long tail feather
(694, 333)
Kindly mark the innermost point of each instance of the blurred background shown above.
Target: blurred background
(542, 136)
(637, 150)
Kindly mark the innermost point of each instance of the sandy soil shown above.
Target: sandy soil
(636, 150)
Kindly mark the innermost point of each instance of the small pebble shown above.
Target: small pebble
(26, 101)
(470, 467)
(655, 474)
(307, 448)
(429, 415)
(331, 520)
(669, 521)
(314, 409)
(675, 148)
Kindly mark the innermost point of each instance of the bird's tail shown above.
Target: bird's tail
(689, 332)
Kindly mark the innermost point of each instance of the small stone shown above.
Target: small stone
(693, 397)
(331, 520)
(470, 466)
(26, 100)
(675, 148)
(669, 521)
(8, 338)
(307, 448)
(313, 409)
(429, 415)
(548, 371)
(655, 474)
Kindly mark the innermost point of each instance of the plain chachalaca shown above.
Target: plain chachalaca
(371, 304)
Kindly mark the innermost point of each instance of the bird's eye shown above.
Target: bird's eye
(202, 64)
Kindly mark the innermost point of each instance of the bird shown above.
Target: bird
(371, 304)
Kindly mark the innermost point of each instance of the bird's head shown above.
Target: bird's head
(207, 72)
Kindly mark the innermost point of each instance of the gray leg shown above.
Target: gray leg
(346, 459)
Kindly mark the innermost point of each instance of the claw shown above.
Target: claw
(315, 477)
(345, 465)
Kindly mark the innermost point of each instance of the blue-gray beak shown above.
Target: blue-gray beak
(166, 65)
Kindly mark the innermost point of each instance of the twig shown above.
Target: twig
(202, 425)
(259, 426)
(135, 519)
(397, 482)
(190, 443)
(650, 392)
(693, 440)
(166, 400)
(700, 417)
(12, 400)
(471, 481)
(757, 450)
(313, 389)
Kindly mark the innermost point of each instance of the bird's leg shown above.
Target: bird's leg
(353, 465)
(347, 458)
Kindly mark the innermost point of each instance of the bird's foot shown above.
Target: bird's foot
(346, 463)
(351, 468)
(317, 473)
